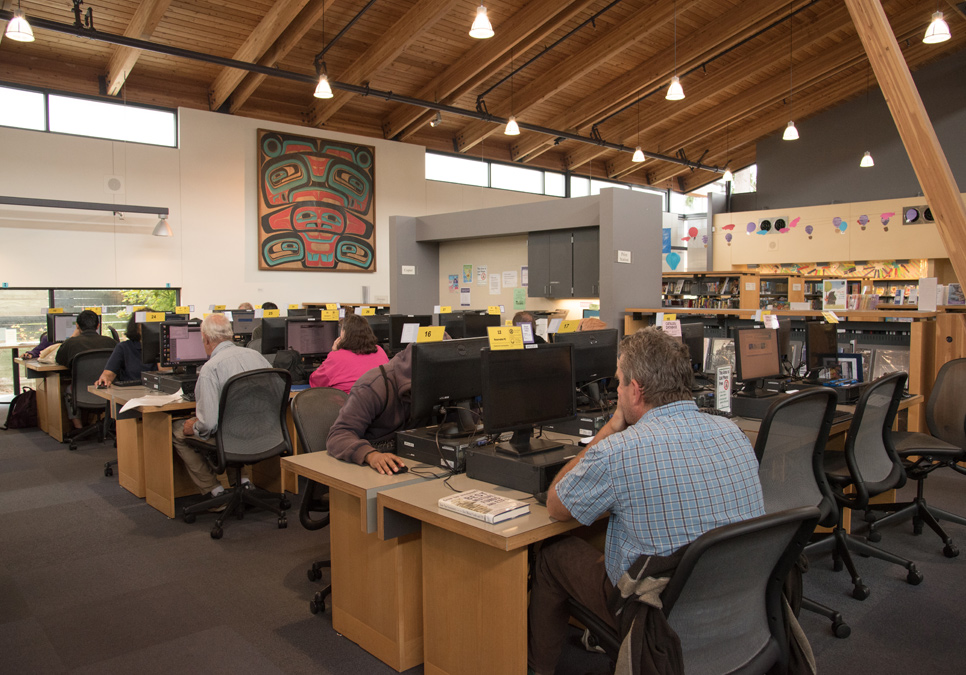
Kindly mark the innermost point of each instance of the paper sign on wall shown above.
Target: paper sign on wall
(505, 337)
(430, 334)
(464, 296)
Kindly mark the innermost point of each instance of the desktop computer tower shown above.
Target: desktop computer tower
(530, 473)
(583, 424)
(449, 453)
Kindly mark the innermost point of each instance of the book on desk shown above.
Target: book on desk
(484, 506)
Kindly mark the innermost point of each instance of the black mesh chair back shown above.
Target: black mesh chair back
(314, 411)
(869, 451)
(251, 417)
(790, 449)
(255, 344)
(946, 410)
(724, 599)
(85, 368)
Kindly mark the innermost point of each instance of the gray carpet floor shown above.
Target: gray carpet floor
(92, 580)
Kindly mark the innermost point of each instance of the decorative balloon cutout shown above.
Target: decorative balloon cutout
(885, 220)
(704, 240)
(673, 260)
(808, 231)
(729, 226)
(863, 221)
(685, 238)
(693, 232)
(839, 225)
(728, 238)
(751, 227)
(794, 222)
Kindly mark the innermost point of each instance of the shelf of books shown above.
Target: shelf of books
(778, 291)
(707, 290)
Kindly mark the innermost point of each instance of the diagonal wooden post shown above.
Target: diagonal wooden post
(916, 130)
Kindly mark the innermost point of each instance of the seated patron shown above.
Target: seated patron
(526, 317)
(354, 352)
(378, 407)
(125, 362)
(84, 338)
(591, 323)
(667, 474)
(257, 331)
(35, 352)
(225, 360)
(245, 305)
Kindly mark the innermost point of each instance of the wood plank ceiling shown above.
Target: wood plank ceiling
(593, 68)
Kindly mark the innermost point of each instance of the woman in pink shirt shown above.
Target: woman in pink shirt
(354, 352)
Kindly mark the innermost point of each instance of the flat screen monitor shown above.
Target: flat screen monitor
(379, 323)
(182, 345)
(692, 335)
(61, 326)
(447, 373)
(523, 388)
(273, 334)
(821, 342)
(396, 323)
(595, 358)
(756, 358)
(151, 337)
(785, 341)
(310, 337)
(315, 313)
(243, 321)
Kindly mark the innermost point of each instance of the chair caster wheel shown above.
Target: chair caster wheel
(841, 629)
(874, 536)
(72, 447)
(284, 504)
(313, 574)
(108, 471)
(282, 523)
(837, 565)
(950, 551)
(317, 604)
(860, 592)
(189, 518)
(917, 525)
(914, 577)
(216, 532)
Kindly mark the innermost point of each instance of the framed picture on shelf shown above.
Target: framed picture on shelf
(834, 294)
(843, 366)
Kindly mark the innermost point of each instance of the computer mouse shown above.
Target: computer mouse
(401, 469)
(101, 385)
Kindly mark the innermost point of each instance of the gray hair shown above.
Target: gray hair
(217, 328)
(659, 363)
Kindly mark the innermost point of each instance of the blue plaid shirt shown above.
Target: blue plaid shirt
(666, 480)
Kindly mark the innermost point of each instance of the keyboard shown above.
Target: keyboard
(716, 412)
(188, 397)
(126, 383)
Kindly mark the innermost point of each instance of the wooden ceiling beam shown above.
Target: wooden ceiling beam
(524, 30)
(285, 43)
(146, 18)
(275, 21)
(606, 46)
(418, 19)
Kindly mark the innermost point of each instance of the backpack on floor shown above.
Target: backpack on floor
(23, 410)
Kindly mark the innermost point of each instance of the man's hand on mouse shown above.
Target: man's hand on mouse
(385, 463)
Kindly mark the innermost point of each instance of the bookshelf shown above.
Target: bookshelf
(705, 290)
(777, 291)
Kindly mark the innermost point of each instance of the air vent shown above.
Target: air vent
(114, 185)
(773, 225)
(916, 215)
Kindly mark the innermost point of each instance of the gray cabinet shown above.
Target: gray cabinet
(564, 263)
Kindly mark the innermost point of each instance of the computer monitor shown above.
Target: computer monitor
(396, 323)
(273, 334)
(821, 342)
(692, 335)
(310, 337)
(182, 345)
(61, 326)
(379, 323)
(151, 336)
(756, 358)
(595, 358)
(314, 312)
(785, 342)
(527, 387)
(243, 321)
(447, 373)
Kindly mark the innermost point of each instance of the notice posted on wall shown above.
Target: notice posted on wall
(494, 284)
(464, 297)
(722, 388)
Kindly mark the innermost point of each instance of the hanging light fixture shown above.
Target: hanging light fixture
(162, 229)
(436, 121)
(675, 92)
(18, 29)
(512, 128)
(638, 153)
(728, 176)
(791, 133)
(323, 89)
(938, 30)
(866, 161)
(481, 28)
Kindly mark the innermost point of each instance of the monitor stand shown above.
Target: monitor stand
(523, 443)
(464, 426)
(755, 389)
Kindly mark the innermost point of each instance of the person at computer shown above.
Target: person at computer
(34, 353)
(665, 471)
(377, 407)
(225, 360)
(526, 317)
(125, 362)
(257, 331)
(245, 305)
(354, 353)
(84, 338)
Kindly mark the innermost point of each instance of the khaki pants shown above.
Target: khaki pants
(199, 470)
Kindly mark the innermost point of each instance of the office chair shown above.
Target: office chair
(314, 411)
(943, 447)
(114, 334)
(870, 466)
(724, 600)
(251, 428)
(790, 448)
(85, 368)
(255, 344)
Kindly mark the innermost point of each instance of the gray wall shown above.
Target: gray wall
(822, 167)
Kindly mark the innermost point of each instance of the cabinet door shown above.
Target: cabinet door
(550, 258)
(538, 264)
(586, 263)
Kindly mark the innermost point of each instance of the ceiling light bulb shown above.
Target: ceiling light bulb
(323, 90)
(512, 128)
(938, 30)
(18, 29)
(675, 92)
(728, 176)
(866, 160)
(791, 133)
(481, 28)
(638, 155)
(162, 229)
(436, 121)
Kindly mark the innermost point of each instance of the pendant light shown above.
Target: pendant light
(866, 161)
(512, 128)
(728, 176)
(18, 29)
(481, 28)
(323, 89)
(675, 92)
(638, 153)
(938, 30)
(162, 229)
(791, 133)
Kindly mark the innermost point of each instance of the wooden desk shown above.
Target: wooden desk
(15, 369)
(376, 583)
(51, 414)
(474, 575)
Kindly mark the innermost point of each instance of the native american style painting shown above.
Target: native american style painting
(316, 204)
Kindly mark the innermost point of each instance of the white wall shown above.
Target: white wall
(209, 185)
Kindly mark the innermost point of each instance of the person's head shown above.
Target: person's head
(654, 370)
(245, 305)
(215, 329)
(133, 330)
(87, 320)
(591, 323)
(357, 336)
(522, 317)
(269, 305)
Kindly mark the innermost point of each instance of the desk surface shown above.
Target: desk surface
(37, 366)
(21, 345)
(121, 395)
